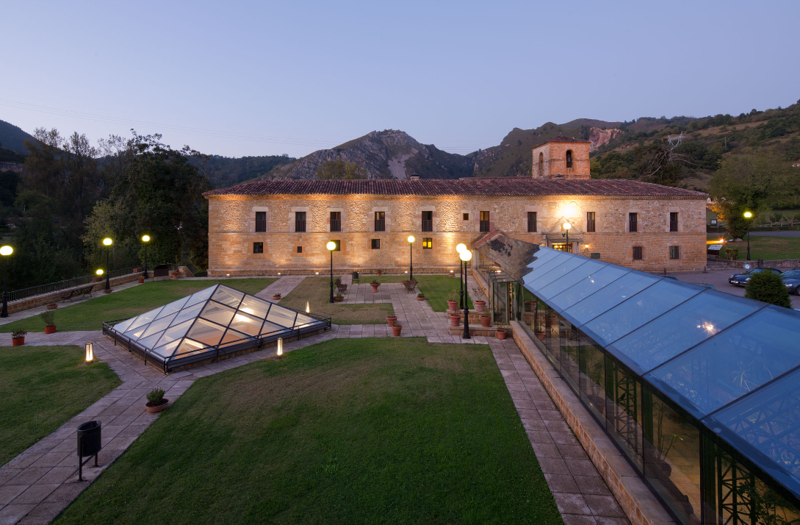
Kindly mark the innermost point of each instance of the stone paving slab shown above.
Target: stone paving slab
(284, 285)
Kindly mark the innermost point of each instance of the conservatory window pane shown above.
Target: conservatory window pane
(144, 319)
(172, 307)
(751, 353)
(610, 296)
(219, 314)
(121, 327)
(246, 323)
(271, 328)
(158, 325)
(191, 347)
(233, 337)
(593, 378)
(588, 268)
(150, 341)
(206, 332)
(282, 316)
(587, 286)
(687, 325)
(188, 313)
(569, 265)
(541, 272)
(254, 306)
(228, 296)
(202, 295)
(176, 332)
(638, 310)
(167, 350)
(303, 320)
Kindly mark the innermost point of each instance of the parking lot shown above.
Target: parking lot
(719, 278)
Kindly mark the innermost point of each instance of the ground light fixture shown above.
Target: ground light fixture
(411, 240)
(567, 226)
(5, 251)
(466, 256)
(107, 242)
(89, 352)
(279, 351)
(459, 249)
(308, 307)
(331, 246)
(748, 215)
(145, 240)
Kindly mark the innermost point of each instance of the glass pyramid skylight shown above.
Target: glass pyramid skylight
(209, 323)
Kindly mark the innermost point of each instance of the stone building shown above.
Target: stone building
(273, 226)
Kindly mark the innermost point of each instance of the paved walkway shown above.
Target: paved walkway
(283, 286)
(39, 483)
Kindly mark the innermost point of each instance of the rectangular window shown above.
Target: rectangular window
(261, 221)
(299, 249)
(427, 221)
(633, 222)
(376, 244)
(258, 247)
(300, 221)
(465, 216)
(591, 226)
(637, 253)
(427, 243)
(531, 221)
(336, 221)
(485, 221)
(674, 252)
(673, 221)
(380, 221)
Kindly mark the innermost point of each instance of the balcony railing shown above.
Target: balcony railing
(427, 226)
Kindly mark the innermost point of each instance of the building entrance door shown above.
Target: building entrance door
(563, 246)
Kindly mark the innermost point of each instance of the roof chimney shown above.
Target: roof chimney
(414, 177)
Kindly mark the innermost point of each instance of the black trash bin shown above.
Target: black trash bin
(89, 443)
(355, 277)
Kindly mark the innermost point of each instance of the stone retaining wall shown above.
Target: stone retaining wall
(55, 297)
(635, 498)
(777, 263)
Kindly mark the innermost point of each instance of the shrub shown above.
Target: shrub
(768, 287)
(731, 253)
(49, 317)
(16, 334)
(155, 396)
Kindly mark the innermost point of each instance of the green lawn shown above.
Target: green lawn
(348, 431)
(316, 290)
(89, 315)
(43, 387)
(768, 248)
(436, 289)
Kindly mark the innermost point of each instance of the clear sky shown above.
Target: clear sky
(264, 78)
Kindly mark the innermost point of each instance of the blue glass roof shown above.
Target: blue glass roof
(733, 363)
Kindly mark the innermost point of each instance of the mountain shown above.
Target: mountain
(13, 138)
(226, 171)
(384, 155)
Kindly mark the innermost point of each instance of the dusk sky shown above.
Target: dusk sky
(265, 78)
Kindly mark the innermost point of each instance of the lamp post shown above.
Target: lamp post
(460, 248)
(466, 256)
(331, 246)
(411, 240)
(5, 251)
(145, 240)
(567, 226)
(108, 242)
(748, 215)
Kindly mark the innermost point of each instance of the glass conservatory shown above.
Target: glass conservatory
(208, 324)
(699, 389)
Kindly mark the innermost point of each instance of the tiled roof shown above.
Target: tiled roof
(562, 138)
(520, 186)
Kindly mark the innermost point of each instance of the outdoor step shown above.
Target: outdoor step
(474, 330)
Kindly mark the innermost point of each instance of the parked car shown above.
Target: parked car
(792, 280)
(740, 279)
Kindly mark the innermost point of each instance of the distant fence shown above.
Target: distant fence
(41, 289)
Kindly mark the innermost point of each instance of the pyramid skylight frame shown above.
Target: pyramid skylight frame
(210, 323)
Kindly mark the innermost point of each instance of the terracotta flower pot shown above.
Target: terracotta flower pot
(338, 299)
(156, 408)
(486, 321)
(420, 298)
(141, 280)
(52, 306)
(501, 334)
(276, 297)
(455, 320)
(106, 291)
(391, 319)
(50, 329)
(452, 305)
(375, 287)
(540, 335)
(479, 305)
(18, 341)
(380, 272)
(396, 329)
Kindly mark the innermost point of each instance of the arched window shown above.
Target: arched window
(569, 158)
(541, 164)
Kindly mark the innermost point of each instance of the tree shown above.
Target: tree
(340, 169)
(768, 287)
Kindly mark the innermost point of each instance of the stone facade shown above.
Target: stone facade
(455, 219)
(561, 157)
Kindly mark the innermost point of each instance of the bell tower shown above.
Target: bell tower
(561, 158)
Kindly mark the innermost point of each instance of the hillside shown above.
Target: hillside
(226, 171)
(12, 137)
(384, 155)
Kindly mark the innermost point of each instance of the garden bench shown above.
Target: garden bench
(162, 270)
(77, 292)
(410, 285)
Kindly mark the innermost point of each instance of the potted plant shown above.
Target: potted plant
(141, 279)
(276, 297)
(338, 297)
(486, 320)
(174, 274)
(396, 329)
(391, 319)
(502, 332)
(452, 301)
(155, 401)
(18, 337)
(380, 272)
(52, 306)
(479, 305)
(420, 296)
(49, 318)
(375, 285)
(455, 319)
